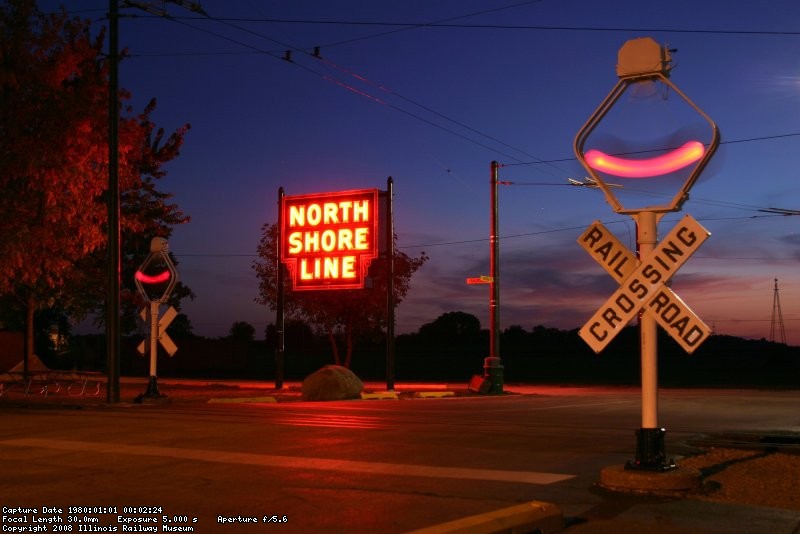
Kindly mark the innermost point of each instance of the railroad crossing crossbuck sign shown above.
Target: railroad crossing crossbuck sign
(643, 285)
(161, 330)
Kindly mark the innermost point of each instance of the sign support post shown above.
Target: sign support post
(647, 239)
(152, 384)
(280, 299)
(649, 438)
(390, 303)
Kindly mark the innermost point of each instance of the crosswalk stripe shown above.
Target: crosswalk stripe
(293, 462)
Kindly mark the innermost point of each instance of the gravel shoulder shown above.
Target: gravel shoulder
(753, 477)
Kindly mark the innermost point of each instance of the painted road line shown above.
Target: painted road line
(333, 421)
(292, 462)
(533, 516)
(240, 400)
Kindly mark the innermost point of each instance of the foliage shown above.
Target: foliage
(54, 164)
(349, 312)
(52, 99)
(145, 212)
(452, 326)
(242, 331)
(180, 327)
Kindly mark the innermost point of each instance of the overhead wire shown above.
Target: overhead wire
(381, 87)
(565, 229)
(524, 234)
(431, 24)
(445, 23)
(289, 47)
(403, 26)
(540, 161)
(362, 93)
(635, 152)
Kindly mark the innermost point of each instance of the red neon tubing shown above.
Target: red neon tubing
(646, 168)
(157, 279)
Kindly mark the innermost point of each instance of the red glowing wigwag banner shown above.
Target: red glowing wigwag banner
(329, 239)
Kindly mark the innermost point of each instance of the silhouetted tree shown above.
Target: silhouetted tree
(180, 327)
(242, 331)
(452, 326)
(350, 311)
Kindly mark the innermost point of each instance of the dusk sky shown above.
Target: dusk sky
(430, 93)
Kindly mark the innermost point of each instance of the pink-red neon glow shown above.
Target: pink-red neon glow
(330, 238)
(646, 168)
(157, 279)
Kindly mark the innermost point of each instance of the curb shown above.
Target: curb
(382, 395)
(617, 478)
(533, 516)
(434, 394)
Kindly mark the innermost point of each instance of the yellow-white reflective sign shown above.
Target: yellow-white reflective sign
(643, 288)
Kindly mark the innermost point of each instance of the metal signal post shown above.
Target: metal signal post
(643, 289)
(155, 279)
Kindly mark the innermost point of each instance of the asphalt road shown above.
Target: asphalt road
(355, 466)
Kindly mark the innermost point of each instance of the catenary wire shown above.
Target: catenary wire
(430, 110)
(336, 81)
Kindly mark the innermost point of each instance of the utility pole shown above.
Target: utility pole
(114, 263)
(494, 268)
(114, 271)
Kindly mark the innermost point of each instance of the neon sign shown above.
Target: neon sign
(675, 160)
(329, 239)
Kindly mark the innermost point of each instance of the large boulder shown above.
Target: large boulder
(332, 382)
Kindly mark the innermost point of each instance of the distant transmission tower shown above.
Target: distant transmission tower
(777, 317)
